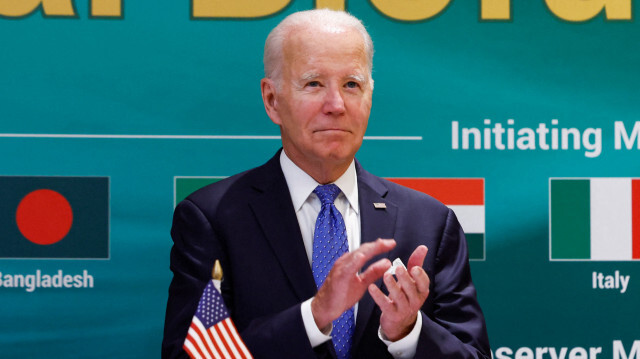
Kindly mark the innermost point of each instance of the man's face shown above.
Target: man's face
(324, 98)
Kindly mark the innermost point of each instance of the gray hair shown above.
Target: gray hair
(273, 47)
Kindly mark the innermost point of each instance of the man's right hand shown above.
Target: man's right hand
(343, 287)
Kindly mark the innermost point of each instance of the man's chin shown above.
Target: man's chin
(337, 154)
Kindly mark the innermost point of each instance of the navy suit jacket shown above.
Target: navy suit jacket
(248, 222)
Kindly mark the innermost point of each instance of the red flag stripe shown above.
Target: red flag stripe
(450, 191)
(233, 343)
(195, 344)
(198, 349)
(188, 349)
(242, 345)
(224, 340)
(218, 342)
(192, 355)
(206, 339)
(231, 339)
(635, 218)
(198, 340)
(233, 335)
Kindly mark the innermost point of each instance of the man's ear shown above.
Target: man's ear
(269, 98)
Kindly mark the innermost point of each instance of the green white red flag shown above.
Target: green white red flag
(595, 219)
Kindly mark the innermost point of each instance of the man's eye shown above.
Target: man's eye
(313, 84)
(352, 84)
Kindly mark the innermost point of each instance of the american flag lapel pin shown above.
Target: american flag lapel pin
(379, 205)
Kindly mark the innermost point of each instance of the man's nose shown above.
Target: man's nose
(334, 102)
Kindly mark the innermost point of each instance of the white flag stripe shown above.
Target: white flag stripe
(224, 332)
(471, 218)
(203, 330)
(192, 349)
(610, 218)
(219, 342)
(197, 341)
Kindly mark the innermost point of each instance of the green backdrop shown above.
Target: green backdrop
(153, 92)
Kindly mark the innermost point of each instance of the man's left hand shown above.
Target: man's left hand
(406, 296)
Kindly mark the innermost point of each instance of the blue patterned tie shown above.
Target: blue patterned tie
(329, 243)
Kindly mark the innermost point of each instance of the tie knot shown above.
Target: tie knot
(327, 193)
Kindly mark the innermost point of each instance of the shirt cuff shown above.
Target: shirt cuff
(316, 337)
(406, 347)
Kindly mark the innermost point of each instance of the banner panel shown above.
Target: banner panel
(107, 106)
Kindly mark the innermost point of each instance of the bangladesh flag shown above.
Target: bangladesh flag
(465, 196)
(54, 217)
(595, 219)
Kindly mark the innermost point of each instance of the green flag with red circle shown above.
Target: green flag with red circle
(54, 217)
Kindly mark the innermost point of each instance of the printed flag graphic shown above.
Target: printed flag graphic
(54, 217)
(465, 196)
(184, 186)
(595, 219)
(212, 334)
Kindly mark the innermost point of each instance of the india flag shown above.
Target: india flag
(183, 186)
(465, 196)
(595, 219)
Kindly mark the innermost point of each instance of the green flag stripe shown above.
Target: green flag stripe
(570, 219)
(475, 243)
(187, 185)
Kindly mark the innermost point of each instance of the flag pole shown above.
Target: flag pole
(212, 331)
(216, 275)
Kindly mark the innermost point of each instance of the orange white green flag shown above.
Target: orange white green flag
(465, 196)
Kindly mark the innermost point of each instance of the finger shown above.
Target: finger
(408, 286)
(422, 280)
(365, 252)
(375, 271)
(385, 304)
(417, 257)
(396, 294)
(372, 249)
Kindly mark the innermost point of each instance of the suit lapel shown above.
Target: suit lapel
(275, 214)
(375, 223)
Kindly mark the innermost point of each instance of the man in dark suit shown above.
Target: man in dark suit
(261, 225)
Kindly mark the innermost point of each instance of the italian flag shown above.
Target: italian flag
(595, 219)
(465, 196)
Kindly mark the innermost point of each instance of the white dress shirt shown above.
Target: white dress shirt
(307, 206)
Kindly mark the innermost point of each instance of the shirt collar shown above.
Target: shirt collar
(301, 185)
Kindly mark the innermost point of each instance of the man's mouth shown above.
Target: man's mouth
(331, 130)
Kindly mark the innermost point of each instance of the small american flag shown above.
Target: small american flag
(212, 333)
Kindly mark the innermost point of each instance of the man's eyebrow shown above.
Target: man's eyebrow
(314, 75)
(358, 78)
(310, 76)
